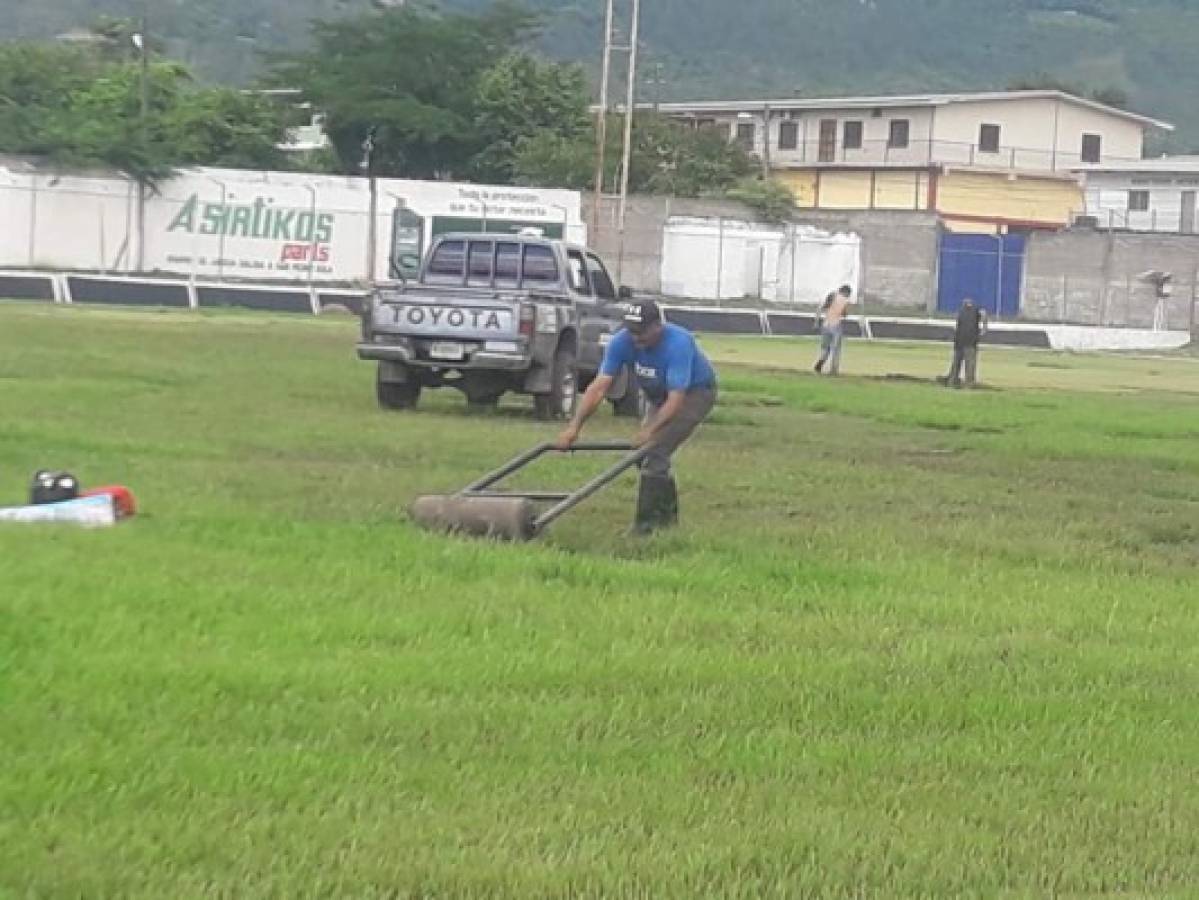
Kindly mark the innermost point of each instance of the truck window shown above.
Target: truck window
(540, 267)
(480, 262)
(604, 289)
(445, 266)
(577, 270)
(507, 264)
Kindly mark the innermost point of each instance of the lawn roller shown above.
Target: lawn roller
(478, 509)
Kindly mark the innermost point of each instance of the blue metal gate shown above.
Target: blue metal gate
(989, 269)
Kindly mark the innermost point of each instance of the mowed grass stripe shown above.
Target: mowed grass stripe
(909, 642)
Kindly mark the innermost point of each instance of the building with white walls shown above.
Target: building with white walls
(982, 161)
(1143, 195)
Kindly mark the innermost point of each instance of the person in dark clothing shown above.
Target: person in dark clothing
(971, 326)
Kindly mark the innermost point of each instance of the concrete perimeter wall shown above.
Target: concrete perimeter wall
(899, 249)
(1089, 277)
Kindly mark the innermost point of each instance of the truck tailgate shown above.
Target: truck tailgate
(466, 315)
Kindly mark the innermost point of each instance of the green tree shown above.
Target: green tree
(408, 76)
(118, 39)
(74, 106)
(521, 97)
(224, 127)
(547, 159)
(35, 82)
(772, 199)
(666, 158)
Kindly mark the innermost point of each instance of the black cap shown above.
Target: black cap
(640, 316)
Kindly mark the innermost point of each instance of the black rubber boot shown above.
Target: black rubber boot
(657, 504)
(670, 503)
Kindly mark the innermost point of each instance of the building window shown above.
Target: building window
(702, 124)
(1092, 148)
(745, 134)
(900, 133)
(788, 135)
(988, 139)
(852, 139)
(1138, 201)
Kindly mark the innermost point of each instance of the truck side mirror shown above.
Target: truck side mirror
(625, 292)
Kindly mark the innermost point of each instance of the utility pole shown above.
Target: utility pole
(372, 231)
(611, 47)
(767, 116)
(601, 126)
(143, 44)
(145, 49)
(629, 110)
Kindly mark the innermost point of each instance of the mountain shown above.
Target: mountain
(718, 48)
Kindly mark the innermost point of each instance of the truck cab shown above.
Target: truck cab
(490, 314)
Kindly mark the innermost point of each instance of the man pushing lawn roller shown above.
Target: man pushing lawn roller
(680, 385)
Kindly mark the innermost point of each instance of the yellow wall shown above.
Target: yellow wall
(957, 226)
(901, 190)
(999, 196)
(844, 190)
(986, 195)
(802, 183)
(841, 189)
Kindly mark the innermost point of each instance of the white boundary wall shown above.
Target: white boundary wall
(727, 259)
(235, 224)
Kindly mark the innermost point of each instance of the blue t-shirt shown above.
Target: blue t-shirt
(675, 364)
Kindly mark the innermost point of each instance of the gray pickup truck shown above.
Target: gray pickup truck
(493, 313)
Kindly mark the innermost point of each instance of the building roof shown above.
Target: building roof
(902, 101)
(1179, 164)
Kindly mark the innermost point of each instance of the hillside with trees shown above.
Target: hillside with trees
(713, 48)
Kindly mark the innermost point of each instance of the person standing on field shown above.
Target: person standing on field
(680, 385)
(969, 329)
(832, 329)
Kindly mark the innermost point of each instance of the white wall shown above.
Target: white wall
(1107, 196)
(227, 223)
(54, 220)
(1035, 133)
(711, 259)
(1025, 133)
(875, 133)
(1123, 140)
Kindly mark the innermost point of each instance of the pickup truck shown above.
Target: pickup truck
(493, 313)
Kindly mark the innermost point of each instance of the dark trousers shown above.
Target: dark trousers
(696, 407)
(963, 357)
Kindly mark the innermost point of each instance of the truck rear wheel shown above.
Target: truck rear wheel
(632, 405)
(560, 402)
(396, 394)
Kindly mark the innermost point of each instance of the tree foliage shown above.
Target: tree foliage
(522, 97)
(409, 78)
(772, 199)
(80, 106)
(666, 158)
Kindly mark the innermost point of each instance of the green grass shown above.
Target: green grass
(909, 641)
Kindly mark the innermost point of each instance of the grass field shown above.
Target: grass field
(909, 641)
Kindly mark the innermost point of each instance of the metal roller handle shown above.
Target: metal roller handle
(596, 484)
(535, 453)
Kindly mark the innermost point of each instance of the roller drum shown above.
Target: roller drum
(505, 518)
